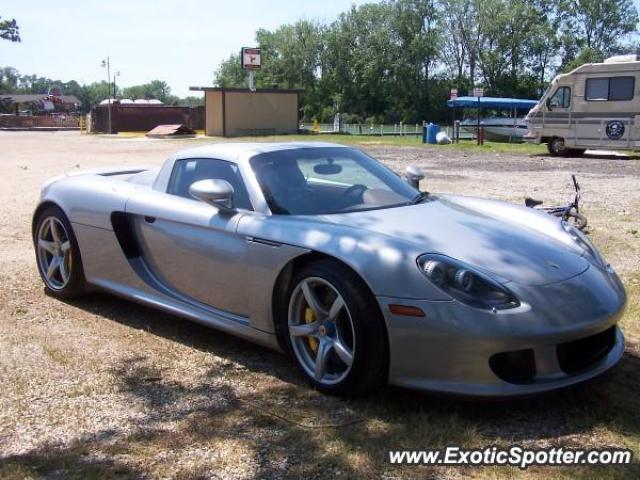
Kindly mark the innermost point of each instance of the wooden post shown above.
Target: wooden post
(453, 120)
(478, 125)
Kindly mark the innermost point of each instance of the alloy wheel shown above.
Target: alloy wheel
(54, 253)
(321, 331)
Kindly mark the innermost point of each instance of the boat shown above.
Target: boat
(498, 129)
(505, 128)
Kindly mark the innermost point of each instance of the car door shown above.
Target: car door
(192, 248)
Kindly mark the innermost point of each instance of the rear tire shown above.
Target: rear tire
(58, 255)
(335, 331)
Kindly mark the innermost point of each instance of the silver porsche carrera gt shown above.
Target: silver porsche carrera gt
(321, 251)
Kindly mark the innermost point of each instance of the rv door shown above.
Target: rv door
(558, 114)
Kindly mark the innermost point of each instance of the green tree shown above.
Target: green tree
(290, 55)
(9, 30)
(454, 48)
(155, 89)
(94, 93)
(543, 42)
(504, 46)
(230, 74)
(601, 25)
(191, 101)
(9, 80)
(416, 30)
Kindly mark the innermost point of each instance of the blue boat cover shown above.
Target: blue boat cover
(493, 102)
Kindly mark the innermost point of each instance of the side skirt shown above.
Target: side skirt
(219, 320)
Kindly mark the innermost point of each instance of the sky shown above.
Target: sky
(179, 41)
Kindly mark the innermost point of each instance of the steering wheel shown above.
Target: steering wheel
(353, 190)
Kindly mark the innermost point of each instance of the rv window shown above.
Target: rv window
(621, 88)
(597, 89)
(561, 99)
(612, 89)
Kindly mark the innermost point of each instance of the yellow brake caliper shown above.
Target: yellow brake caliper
(309, 317)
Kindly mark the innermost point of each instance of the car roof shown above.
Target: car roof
(236, 151)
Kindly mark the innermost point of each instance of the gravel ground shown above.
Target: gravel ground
(102, 388)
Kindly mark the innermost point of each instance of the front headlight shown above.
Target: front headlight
(590, 252)
(465, 284)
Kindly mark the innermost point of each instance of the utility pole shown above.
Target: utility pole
(106, 63)
(115, 74)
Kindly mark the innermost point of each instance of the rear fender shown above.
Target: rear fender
(89, 199)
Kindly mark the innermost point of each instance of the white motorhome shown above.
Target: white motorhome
(597, 105)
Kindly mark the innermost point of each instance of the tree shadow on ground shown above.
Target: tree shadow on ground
(253, 357)
(280, 428)
(79, 460)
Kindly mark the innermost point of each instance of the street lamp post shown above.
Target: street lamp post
(116, 74)
(106, 63)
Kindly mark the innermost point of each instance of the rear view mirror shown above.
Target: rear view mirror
(413, 174)
(327, 169)
(218, 193)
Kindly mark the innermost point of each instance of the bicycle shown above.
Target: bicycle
(569, 213)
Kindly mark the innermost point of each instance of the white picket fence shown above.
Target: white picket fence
(398, 129)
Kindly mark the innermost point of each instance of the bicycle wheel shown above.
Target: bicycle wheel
(576, 219)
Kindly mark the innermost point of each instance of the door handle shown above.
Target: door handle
(149, 219)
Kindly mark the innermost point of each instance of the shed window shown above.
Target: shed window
(610, 89)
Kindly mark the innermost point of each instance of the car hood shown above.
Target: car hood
(510, 242)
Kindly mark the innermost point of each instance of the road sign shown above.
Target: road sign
(250, 58)
(454, 93)
(478, 92)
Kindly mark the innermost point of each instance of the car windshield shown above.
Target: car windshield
(325, 180)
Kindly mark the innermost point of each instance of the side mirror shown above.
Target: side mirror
(413, 175)
(549, 107)
(218, 193)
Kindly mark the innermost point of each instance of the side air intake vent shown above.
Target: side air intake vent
(124, 234)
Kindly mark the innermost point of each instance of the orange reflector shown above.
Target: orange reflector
(406, 310)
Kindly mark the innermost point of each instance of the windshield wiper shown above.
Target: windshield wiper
(418, 198)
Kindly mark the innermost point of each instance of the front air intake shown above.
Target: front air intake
(518, 366)
(579, 355)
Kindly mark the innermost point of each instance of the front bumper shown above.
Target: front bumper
(532, 137)
(451, 349)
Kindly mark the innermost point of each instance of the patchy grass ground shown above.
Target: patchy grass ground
(369, 140)
(102, 388)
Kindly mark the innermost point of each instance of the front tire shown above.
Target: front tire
(335, 331)
(57, 254)
(556, 147)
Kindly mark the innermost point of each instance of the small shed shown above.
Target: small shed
(235, 112)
